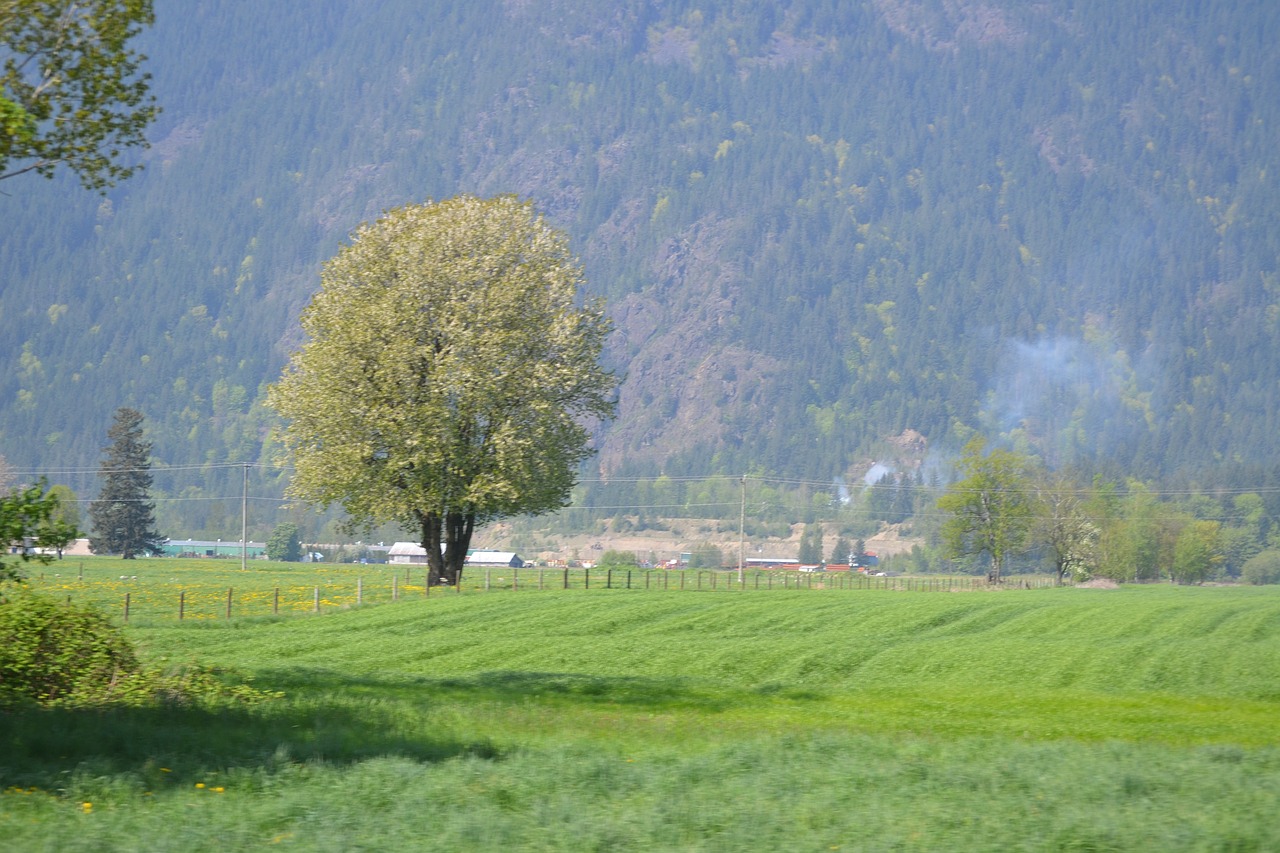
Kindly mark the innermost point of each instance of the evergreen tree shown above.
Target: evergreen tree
(841, 551)
(706, 556)
(811, 544)
(123, 516)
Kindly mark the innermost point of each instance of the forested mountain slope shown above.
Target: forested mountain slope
(817, 224)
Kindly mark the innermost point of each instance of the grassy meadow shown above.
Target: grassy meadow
(1140, 718)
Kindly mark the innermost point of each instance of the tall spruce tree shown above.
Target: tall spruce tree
(123, 516)
(811, 544)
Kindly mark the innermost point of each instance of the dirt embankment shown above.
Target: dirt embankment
(681, 535)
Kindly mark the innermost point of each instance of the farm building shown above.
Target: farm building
(411, 552)
(772, 563)
(217, 548)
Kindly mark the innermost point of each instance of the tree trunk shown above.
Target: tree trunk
(446, 541)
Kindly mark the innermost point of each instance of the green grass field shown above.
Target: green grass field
(1143, 718)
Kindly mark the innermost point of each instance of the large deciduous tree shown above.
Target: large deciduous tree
(284, 544)
(123, 516)
(991, 508)
(1064, 529)
(70, 90)
(447, 375)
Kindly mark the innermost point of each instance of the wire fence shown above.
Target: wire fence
(229, 594)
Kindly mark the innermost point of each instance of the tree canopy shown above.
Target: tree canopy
(70, 90)
(284, 544)
(991, 507)
(448, 373)
(26, 522)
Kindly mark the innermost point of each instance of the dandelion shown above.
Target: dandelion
(165, 770)
(86, 807)
(219, 789)
(199, 784)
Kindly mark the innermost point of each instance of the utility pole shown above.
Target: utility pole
(742, 524)
(244, 519)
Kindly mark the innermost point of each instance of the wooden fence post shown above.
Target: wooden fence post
(515, 579)
(315, 606)
(395, 587)
(229, 602)
(566, 577)
(275, 603)
(359, 591)
(182, 605)
(126, 606)
(586, 578)
(608, 579)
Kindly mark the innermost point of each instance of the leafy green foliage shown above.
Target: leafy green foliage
(448, 372)
(70, 91)
(991, 506)
(1064, 529)
(62, 655)
(123, 515)
(1197, 555)
(56, 653)
(284, 544)
(618, 559)
(27, 522)
(705, 555)
(1263, 568)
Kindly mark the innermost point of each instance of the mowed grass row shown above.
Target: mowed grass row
(1070, 719)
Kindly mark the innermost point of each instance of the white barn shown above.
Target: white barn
(415, 554)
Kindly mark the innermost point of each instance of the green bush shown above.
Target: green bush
(1262, 568)
(51, 651)
(284, 544)
(58, 654)
(618, 559)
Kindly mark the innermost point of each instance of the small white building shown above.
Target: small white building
(414, 554)
(407, 552)
(495, 558)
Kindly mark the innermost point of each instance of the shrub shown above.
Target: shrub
(1262, 568)
(58, 654)
(618, 559)
(50, 650)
